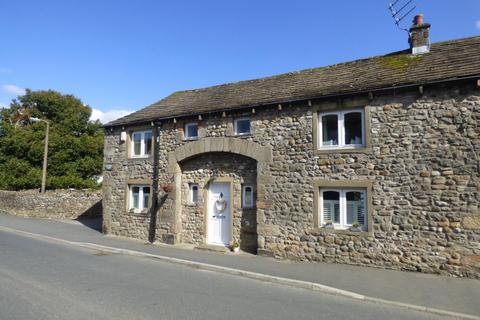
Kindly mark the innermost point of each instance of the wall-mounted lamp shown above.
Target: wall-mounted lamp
(123, 136)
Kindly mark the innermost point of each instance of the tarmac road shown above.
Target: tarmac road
(44, 280)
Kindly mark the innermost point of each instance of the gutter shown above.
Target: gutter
(154, 194)
(336, 95)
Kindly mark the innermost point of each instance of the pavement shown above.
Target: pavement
(424, 292)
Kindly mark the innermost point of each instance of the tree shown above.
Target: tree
(75, 152)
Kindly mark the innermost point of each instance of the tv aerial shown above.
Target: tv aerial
(399, 10)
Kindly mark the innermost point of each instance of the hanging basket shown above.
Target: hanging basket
(168, 187)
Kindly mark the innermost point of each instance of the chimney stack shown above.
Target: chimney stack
(419, 35)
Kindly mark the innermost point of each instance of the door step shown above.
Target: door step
(214, 248)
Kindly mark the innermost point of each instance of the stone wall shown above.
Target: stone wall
(422, 162)
(53, 204)
(124, 171)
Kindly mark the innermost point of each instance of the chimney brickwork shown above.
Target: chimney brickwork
(419, 35)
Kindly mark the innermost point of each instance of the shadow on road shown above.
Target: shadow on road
(92, 223)
(92, 217)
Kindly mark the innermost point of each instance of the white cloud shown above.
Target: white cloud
(477, 24)
(13, 89)
(109, 115)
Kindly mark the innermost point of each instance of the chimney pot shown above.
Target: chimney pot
(418, 19)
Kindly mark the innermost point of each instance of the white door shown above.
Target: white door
(219, 214)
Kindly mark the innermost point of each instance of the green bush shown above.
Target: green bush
(75, 153)
(71, 181)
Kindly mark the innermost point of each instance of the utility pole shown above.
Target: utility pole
(45, 153)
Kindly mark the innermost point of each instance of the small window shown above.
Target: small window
(242, 126)
(141, 143)
(193, 194)
(247, 197)
(191, 131)
(139, 198)
(343, 208)
(343, 129)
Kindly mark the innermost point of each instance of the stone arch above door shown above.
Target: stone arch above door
(243, 147)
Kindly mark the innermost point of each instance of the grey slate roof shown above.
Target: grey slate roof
(446, 60)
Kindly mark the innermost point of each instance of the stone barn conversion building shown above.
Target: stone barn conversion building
(371, 162)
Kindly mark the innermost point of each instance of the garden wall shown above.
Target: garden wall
(53, 204)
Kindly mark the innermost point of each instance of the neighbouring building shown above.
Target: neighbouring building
(370, 162)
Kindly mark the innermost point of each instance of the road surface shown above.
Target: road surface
(44, 280)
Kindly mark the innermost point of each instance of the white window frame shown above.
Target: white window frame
(343, 206)
(140, 197)
(235, 122)
(341, 129)
(142, 144)
(187, 137)
(244, 203)
(190, 195)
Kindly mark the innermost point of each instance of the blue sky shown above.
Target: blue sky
(119, 56)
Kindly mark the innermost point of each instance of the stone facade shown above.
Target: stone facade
(53, 204)
(421, 164)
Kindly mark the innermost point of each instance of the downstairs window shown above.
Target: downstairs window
(139, 198)
(343, 208)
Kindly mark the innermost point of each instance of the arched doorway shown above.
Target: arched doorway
(218, 200)
(221, 152)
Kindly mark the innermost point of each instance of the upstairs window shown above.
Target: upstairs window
(242, 126)
(191, 131)
(141, 144)
(343, 208)
(343, 129)
(139, 198)
(247, 196)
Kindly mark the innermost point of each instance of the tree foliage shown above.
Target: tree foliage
(75, 151)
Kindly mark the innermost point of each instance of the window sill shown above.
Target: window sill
(191, 139)
(343, 150)
(140, 158)
(348, 232)
(143, 212)
(243, 135)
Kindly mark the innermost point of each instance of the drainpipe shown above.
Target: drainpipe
(154, 206)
